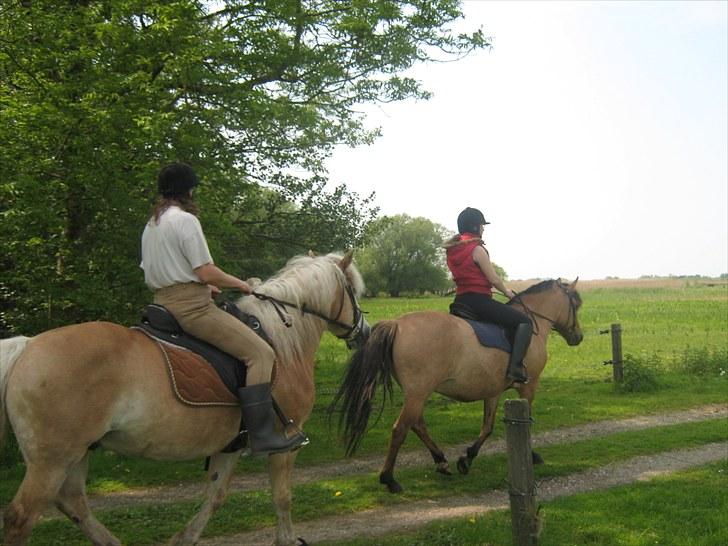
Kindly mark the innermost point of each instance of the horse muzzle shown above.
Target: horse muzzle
(359, 335)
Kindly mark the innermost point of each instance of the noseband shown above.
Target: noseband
(532, 314)
(351, 332)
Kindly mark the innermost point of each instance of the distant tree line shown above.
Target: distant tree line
(95, 96)
(404, 256)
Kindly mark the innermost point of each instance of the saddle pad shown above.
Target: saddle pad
(194, 381)
(490, 335)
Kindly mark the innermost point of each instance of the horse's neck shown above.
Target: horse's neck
(545, 309)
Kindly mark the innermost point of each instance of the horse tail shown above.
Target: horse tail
(10, 350)
(369, 367)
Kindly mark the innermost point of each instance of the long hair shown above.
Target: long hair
(313, 281)
(10, 350)
(185, 202)
(369, 367)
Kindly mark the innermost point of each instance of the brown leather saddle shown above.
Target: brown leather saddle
(201, 374)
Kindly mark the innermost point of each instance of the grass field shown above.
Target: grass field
(680, 331)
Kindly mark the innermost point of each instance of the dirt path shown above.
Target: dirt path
(413, 516)
(419, 457)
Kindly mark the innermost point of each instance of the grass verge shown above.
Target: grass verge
(688, 508)
(246, 511)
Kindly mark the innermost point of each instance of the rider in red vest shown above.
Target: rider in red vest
(475, 277)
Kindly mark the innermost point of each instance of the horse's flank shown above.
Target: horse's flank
(10, 350)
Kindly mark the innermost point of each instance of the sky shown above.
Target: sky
(592, 135)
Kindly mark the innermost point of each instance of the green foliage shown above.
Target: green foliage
(404, 256)
(95, 96)
(704, 361)
(640, 374)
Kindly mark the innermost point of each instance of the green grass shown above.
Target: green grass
(246, 511)
(677, 327)
(688, 508)
(684, 330)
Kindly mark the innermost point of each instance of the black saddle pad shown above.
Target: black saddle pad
(489, 335)
(159, 322)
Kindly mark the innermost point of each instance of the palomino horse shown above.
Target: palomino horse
(100, 383)
(432, 351)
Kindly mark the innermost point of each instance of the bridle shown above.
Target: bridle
(351, 332)
(533, 314)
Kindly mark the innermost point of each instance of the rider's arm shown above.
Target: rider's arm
(481, 257)
(213, 275)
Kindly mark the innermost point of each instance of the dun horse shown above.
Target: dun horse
(102, 384)
(432, 351)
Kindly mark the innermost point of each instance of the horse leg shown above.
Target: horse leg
(280, 467)
(410, 414)
(220, 471)
(528, 391)
(38, 489)
(438, 456)
(490, 408)
(71, 500)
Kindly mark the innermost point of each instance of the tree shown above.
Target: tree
(404, 255)
(95, 95)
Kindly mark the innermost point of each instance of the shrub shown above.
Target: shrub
(704, 362)
(639, 374)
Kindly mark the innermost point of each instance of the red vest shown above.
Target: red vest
(466, 273)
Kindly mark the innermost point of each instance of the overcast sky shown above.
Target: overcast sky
(593, 135)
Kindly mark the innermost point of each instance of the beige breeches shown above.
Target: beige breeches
(192, 305)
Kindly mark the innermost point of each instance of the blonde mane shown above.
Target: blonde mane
(313, 281)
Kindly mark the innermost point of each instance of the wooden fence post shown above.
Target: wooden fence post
(616, 362)
(522, 490)
(617, 372)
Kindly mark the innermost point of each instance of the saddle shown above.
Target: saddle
(201, 374)
(488, 334)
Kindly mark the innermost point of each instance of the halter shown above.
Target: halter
(532, 314)
(351, 331)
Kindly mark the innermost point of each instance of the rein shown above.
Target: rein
(533, 314)
(351, 331)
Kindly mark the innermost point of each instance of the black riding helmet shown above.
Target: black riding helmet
(176, 179)
(470, 220)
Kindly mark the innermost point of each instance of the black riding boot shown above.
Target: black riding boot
(521, 341)
(260, 418)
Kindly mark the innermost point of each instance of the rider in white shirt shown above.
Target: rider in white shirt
(179, 269)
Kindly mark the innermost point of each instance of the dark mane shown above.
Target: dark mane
(538, 288)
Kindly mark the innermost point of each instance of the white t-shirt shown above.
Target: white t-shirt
(173, 248)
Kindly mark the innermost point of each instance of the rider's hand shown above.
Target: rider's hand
(214, 290)
(245, 288)
(510, 294)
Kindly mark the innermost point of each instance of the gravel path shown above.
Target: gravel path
(419, 457)
(413, 516)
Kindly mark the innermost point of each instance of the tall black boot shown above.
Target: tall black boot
(256, 405)
(521, 341)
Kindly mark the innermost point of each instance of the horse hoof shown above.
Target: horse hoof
(388, 480)
(536, 458)
(394, 487)
(444, 468)
(463, 465)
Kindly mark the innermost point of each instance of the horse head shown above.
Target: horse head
(567, 322)
(351, 325)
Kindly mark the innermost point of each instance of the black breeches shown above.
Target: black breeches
(490, 310)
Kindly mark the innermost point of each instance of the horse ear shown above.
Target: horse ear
(573, 284)
(346, 260)
(311, 254)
